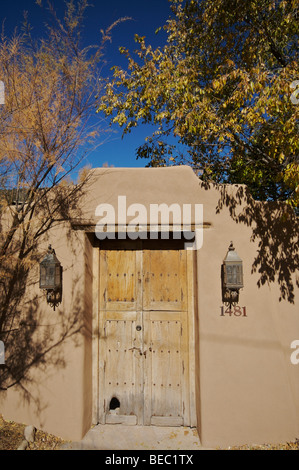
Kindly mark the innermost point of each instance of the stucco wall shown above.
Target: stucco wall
(56, 396)
(248, 385)
(247, 388)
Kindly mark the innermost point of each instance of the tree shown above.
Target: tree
(222, 87)
(51, 86)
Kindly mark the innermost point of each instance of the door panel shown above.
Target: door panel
(164, 274)
(164, 375)
(143, 334)
(123, 378)
(119, 279)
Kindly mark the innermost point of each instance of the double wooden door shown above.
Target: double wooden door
(144, 373)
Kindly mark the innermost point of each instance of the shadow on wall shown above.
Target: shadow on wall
(275, 228)
(32, 336)
(35, 343)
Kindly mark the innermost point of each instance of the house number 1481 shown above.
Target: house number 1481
(236, 310)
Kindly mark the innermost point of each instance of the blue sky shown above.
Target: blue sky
(147, 16)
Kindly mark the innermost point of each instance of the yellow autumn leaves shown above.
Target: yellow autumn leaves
(221, 86)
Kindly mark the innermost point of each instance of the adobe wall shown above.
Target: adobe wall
(57, 396)
(247, 387)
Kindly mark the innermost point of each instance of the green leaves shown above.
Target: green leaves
(221, 85)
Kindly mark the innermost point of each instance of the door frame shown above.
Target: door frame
(97, 362)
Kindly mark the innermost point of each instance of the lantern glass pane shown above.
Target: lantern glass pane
(50, 276)
(231, 275)
(234, 275)
(239, 275)
(43, 272)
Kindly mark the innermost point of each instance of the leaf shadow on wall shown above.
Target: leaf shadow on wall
(275, 229)
(35, 347)
(34, 336)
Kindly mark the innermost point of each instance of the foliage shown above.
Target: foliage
(51, 86)
(221, 86)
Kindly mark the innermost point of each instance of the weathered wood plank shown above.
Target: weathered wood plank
(121, 419)
(144, 301)
(169, 421)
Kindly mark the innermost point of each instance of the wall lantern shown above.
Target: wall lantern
(232, 279)
(51, 278)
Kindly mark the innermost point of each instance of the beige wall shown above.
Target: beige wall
(56, 396)
(247, 390)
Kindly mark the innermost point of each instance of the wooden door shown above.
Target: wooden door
(144, 333)
(120, 340)
(165, 319)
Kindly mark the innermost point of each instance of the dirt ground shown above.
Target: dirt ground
(12, 434)
(283, 446)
